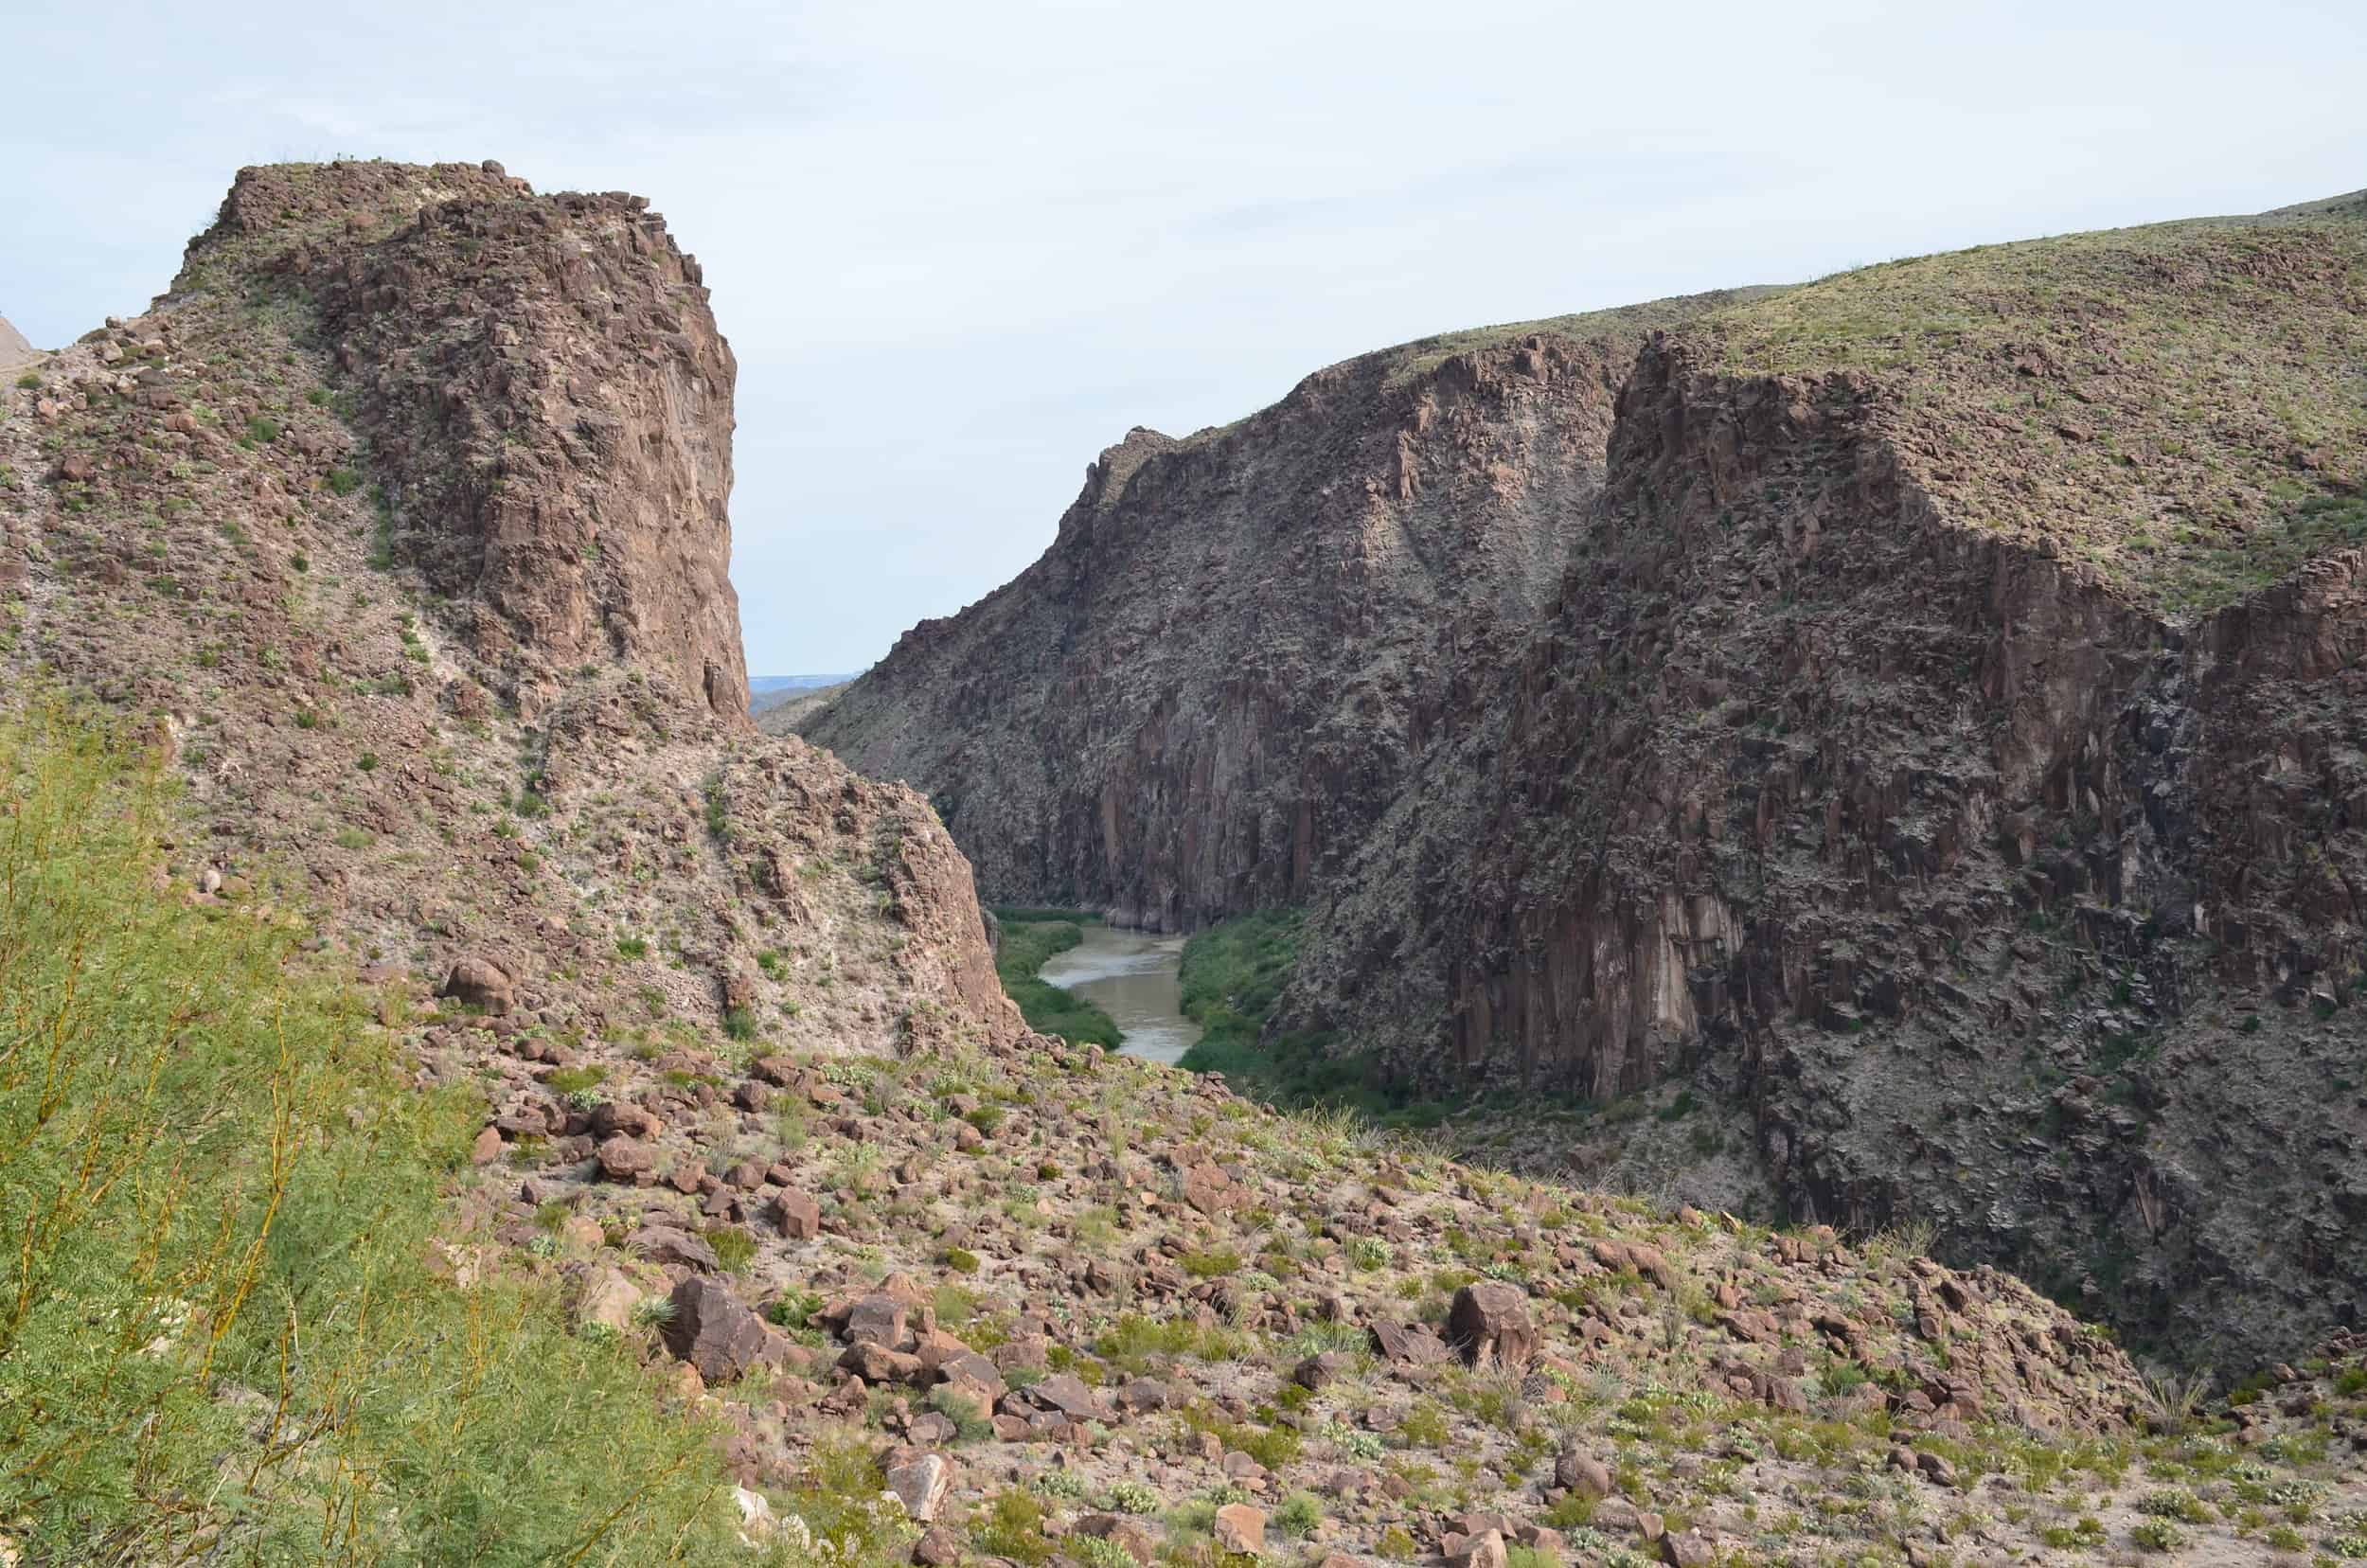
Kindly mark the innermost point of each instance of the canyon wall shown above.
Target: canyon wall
(1217, 677)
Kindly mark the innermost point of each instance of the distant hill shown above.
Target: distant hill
(782, 712)
(771, 691)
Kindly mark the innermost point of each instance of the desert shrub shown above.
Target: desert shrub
(219, 1308)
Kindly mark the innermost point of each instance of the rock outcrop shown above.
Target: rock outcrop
(548, 406)
(402, 515)
(1218, 676)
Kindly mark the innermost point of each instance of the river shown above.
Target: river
(1131, 976)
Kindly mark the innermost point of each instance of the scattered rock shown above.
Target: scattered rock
(714, 1330)
(1241, 1529)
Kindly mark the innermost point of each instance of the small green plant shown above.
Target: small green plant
(740, 1021)
(1013, 1529)
(632, 947)
(2158, 1535)
(368, 761)
(734, 1248)
(1300, 1515)
(344, 481)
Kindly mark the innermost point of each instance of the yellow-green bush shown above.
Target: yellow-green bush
(227, 1309)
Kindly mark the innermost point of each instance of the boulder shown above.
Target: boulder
(1241, 1529)
(622, 1159)
(1581, 1473)
(1408, 1345)
(1483, 1550)
(797, 1213)
(477, 981)
(921, 1484)
(1489, 1322)
(714, 1330)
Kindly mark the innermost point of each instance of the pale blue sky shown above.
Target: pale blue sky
(960, 247)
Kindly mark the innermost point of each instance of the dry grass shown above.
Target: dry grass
(2178, 410)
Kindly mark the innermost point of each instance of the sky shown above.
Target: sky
(958, 248)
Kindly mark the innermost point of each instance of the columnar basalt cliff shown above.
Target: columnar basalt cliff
(1218, 676)
(1938, 748)
(2003, 877)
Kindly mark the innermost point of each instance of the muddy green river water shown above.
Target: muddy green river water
(1131, 975)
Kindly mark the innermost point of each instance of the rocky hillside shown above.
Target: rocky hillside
(1943, 759)
(395, 531)
(402, 519)
(1200, 697)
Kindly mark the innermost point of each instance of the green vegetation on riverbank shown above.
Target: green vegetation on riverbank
(238, 1317)
(1231, 976)
(1030, 937)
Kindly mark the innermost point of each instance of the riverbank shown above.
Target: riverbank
(1132, 975)
(1031, 938)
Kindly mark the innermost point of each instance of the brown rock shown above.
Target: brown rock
(1483, 1550)
(797, 1215)
(1409, 1344)
(1690, 1550)
(921, 1484)
(1581, 1473)
(1241, 1529)
(622, 1159)
(477, 981)
(1489, 1322)
(714, 1330)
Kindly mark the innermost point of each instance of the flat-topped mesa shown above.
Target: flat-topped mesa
(547, 402)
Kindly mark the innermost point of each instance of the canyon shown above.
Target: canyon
(624, 1151)
(1913, 715)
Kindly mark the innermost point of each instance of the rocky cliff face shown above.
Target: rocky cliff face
(401, 518)
(547, 404)
(1218, 676)
(2002, 876)
(340, 526)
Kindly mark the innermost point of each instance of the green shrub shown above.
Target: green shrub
(1300, 1515)
(187, 1198)
(1013, 1529)
(344, 481)
(733, 1246)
